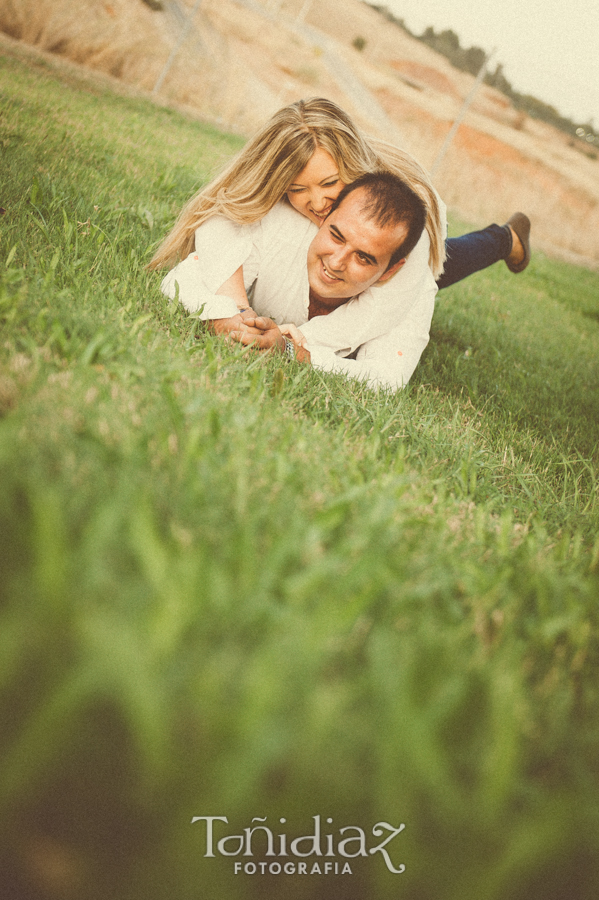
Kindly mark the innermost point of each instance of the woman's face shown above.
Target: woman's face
(316, 187)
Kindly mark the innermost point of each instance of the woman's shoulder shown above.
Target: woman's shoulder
(218, 231)
(283, 223)
(280, 225)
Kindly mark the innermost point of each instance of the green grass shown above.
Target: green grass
(233, 586)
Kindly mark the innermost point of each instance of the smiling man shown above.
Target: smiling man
(339, 284)
(373, 226)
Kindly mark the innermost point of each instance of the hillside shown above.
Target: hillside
(242, 60)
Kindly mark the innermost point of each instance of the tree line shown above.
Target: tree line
(470, 59)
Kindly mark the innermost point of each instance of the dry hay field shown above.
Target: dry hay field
(243, 60)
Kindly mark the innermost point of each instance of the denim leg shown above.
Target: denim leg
(475, 251)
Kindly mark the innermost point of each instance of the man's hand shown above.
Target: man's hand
(302, 355)
(293, 333)
(299, 342)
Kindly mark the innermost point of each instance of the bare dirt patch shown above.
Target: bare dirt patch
(425, 76)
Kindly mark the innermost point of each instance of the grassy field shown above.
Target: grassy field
(232, 586)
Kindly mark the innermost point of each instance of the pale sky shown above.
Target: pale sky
(549, 48)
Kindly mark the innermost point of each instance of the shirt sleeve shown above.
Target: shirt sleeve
(221, 247)
(389, 360)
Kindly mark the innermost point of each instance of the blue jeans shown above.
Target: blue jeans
(475, 251)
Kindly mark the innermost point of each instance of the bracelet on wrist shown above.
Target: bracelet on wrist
(289, 348)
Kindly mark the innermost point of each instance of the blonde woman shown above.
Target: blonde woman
(301, 160)
(262, 173)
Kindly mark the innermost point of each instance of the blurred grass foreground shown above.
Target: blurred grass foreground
(232, 587)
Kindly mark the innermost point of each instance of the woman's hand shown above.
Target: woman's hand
(261, 332)
(234, 325)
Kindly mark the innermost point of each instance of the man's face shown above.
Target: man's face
(351, 252)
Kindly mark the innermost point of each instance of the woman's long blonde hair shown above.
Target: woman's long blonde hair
(260, 174)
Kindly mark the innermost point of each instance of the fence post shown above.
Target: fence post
(304, 11)
(462, 113)
(184, 32)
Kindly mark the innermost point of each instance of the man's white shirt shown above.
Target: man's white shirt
(386, 327)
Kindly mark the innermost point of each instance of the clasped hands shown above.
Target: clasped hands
(262, 333)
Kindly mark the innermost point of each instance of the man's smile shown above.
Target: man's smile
(328, 276)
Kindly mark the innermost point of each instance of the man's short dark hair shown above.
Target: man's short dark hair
(390, 202)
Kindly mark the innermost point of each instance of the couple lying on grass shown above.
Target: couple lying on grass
(338, 241)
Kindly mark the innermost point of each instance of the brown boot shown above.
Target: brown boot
(519, 256)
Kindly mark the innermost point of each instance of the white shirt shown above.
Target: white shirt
(388, 324)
